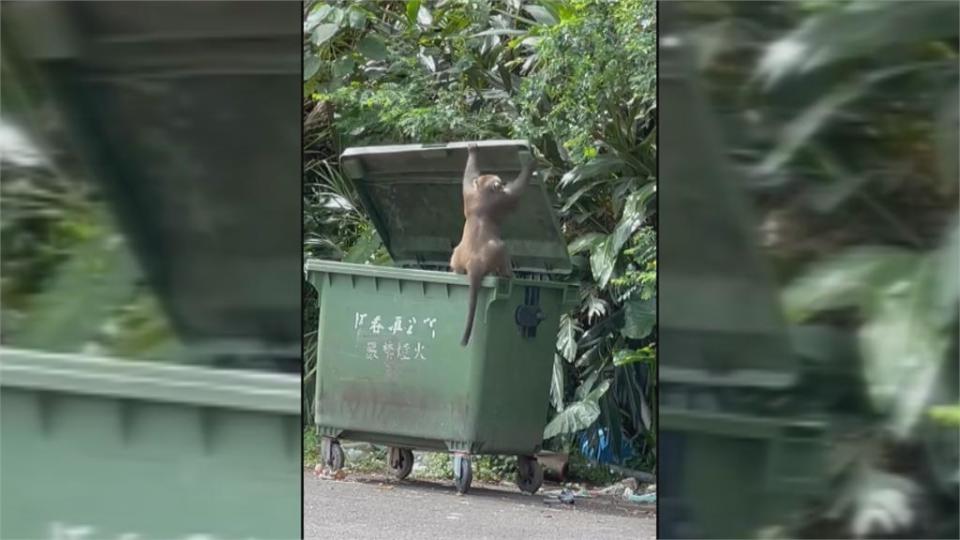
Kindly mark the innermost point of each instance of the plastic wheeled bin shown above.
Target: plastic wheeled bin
(390, 367)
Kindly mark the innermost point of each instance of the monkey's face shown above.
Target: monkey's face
(489, 183)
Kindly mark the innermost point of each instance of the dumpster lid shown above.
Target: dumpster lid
(413, 195)
(158, 99)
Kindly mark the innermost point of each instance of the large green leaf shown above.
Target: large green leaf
(542, 14)
(373, 48)
(847, 280)
(343, 67)
(603, 260)
(578, 415)
(640, 317)
(634, 213)
(323, 33)
(338, 16)
(413, 7)
(561, 10)
(600, 165)
(906, 339)
(860, 29)
(903, 350)
(585, 243)
(311, 63)
(604, 254)
(317, 15)
(592, 351)
(587, 385)
(905, 334)
(356, 18)
(567, 337)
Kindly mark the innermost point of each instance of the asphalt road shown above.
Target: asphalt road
(373, 507)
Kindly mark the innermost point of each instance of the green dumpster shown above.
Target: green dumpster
(390, 368)
(98, 448)
(741, 445)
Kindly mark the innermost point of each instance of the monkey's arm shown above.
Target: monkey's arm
(520, 182)
(472, 170)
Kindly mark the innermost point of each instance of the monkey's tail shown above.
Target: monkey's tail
(475, 278)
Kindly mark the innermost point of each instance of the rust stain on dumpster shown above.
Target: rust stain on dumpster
(378, 399)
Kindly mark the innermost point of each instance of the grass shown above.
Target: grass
(311, 450)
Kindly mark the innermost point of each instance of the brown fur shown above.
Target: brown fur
(486, 202)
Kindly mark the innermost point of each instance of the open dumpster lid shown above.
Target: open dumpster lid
(159, 99)
(413, 194)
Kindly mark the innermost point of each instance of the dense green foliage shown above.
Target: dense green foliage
(577, 79)
(842, 117)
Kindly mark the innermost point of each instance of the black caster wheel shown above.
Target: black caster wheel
(401, 462)
(529, 474)
(462, 473)
(332, 454)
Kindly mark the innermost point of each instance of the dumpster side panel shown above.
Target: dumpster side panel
(115, 466)
(516, 376)
(389, 366)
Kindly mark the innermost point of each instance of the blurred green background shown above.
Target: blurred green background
(840, 120)
(70, 282)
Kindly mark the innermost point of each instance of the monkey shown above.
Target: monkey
(486, 202)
